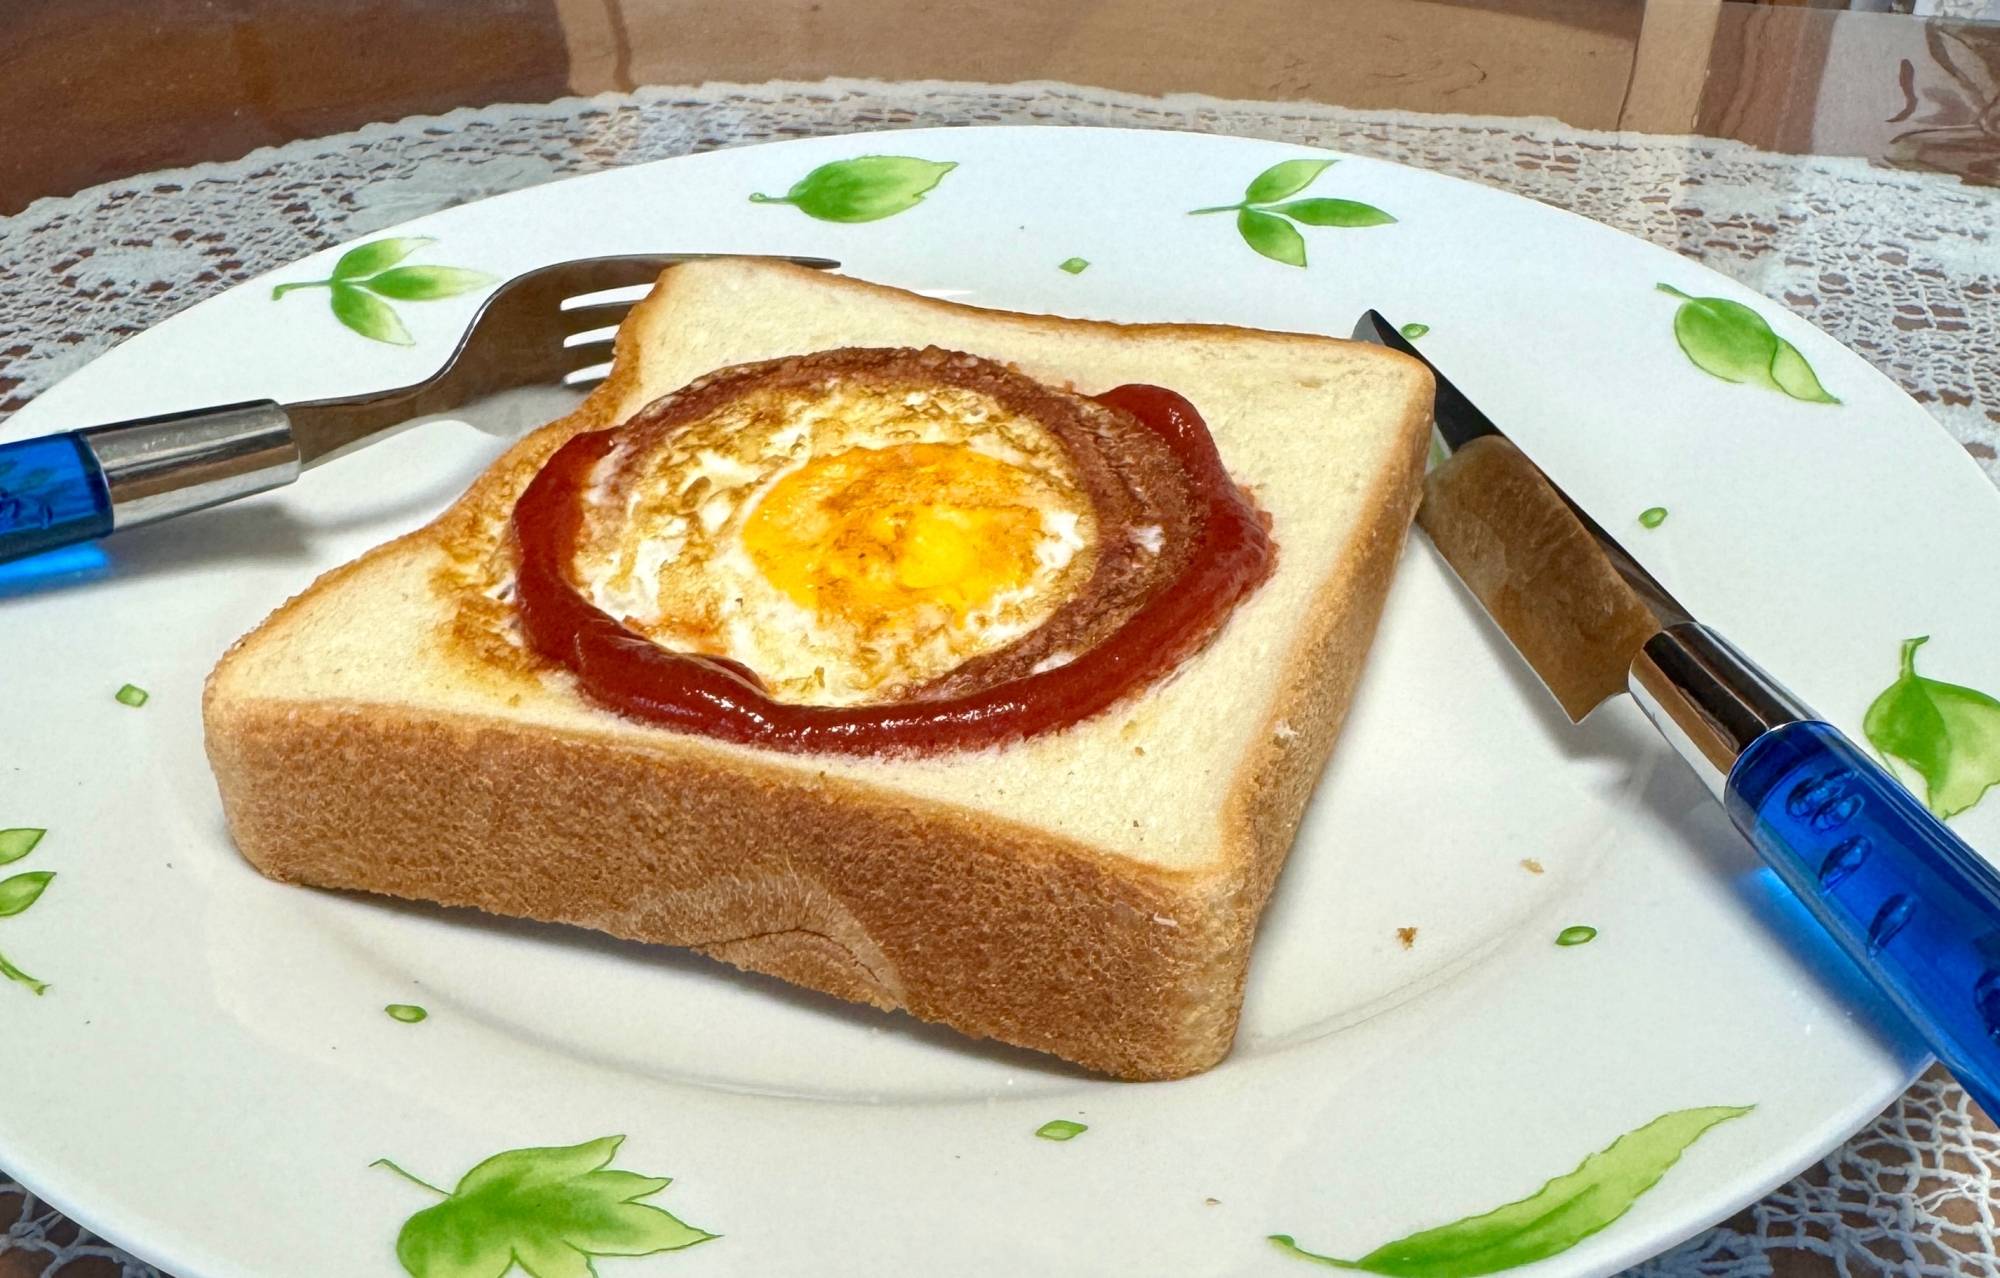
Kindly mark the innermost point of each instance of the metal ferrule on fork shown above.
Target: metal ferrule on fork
(158, 467)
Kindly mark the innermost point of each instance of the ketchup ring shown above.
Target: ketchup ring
(712, 696)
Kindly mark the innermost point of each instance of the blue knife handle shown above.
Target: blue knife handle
(52, 494)
(1908, 900)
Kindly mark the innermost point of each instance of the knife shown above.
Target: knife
(1915, 907)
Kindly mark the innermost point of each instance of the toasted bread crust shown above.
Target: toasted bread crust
(995, 927)
(817, 881)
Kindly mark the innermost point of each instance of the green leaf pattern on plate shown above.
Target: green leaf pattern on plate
(20, 891)
(1283, 180)
(1334, 213)
(368, 273)
(374, 256)
(1580, 934)
(1652, 516)
(1261, 216)
(424, 283)
(1729, 340)
(549, 1211)
(1557, 1217)
(1074, 265)
(1948, 735)
(1272, 236)
(369, 315)
(864, 189)
(1061, 1129)
(1413, 330)
(15, 844)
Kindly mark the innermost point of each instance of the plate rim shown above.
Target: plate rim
(1872, 1105)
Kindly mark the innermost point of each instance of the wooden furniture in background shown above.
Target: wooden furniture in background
(1766, 66)
(1670, 66)
(91, 90)
(1556, 58)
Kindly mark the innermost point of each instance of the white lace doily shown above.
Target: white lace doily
(1903, 267)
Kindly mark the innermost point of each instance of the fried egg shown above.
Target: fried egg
(848, 541)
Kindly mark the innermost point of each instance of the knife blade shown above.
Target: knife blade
(1915, 907)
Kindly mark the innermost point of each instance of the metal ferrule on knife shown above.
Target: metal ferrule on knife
(1707, 699)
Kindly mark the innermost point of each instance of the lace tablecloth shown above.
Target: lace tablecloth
(1903, 267)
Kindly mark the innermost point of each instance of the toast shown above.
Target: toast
(1092, 892)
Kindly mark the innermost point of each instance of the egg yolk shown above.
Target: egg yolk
(875, 535)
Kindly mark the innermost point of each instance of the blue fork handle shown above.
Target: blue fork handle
(1912, 903)
(52, 494)
(59, 490)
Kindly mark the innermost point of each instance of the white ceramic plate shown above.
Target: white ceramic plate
(211, 1075)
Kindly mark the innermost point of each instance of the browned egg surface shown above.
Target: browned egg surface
(847, 541)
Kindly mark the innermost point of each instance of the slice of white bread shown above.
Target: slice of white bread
(1091, 893)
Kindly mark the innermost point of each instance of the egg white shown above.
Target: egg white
(663, 547)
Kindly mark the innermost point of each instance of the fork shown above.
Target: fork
(58, 490)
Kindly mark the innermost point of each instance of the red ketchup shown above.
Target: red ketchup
(715, 697)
